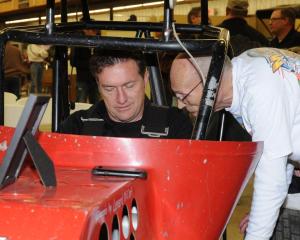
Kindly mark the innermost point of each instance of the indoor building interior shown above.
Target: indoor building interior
(26, 13)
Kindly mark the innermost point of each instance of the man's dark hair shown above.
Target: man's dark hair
(289, 13)
(103, 59)
(237, 13)
(194, 12)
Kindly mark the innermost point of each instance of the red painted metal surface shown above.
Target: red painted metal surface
(191, 189)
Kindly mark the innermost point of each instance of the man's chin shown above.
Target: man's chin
(194, 114)
(125, 118)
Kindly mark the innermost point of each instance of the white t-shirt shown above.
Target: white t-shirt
(37, 53)
(266, 95)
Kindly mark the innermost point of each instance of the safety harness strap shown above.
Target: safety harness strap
(155, 121)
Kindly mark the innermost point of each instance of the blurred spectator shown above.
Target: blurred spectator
(282, 26)
(86, 86)
(15, 69)
(242, 36)
(37, 55)
(194, 16)
(132, 18)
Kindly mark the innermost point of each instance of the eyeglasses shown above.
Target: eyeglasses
(189, 93)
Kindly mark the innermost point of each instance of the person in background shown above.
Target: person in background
(15, 69)
(282, 26)
(132, 18)
(194, 16)
(260, 87)
(242, 35)
(86, 86)
(125, 111)
(37, 55)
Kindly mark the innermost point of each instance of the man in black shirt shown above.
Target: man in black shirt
(282, 25)
(124, 110)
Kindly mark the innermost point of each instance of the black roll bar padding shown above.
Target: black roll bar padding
(50, 11)
(64, 11)
(210, 90)
(115, 43)
(125, 26)
(60, 101)
(168, 20)
(204, 12)
(60, 104)
(60, 91)
(158, 93)
(85, 11)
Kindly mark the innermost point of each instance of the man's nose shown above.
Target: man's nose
(180, 104)
(121, 96)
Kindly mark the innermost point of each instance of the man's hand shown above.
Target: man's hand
(244, 224)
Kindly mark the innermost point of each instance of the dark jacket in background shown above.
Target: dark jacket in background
(243, 36)
(80, 57)
(291, 40)
(14, 64)
(86, 86)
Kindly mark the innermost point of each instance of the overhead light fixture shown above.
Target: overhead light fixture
(152, 3)
(91, 12)
(127, 7)
(55, 16)
(142, 5)
(99, 10)
(22, 20)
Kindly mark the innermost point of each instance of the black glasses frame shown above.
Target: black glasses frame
(189, 93)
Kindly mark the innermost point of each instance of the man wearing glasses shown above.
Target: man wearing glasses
(282, 26)
(261, 88)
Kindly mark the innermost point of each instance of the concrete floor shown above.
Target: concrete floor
(242, 208)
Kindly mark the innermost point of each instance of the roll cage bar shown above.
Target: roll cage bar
(214, 42)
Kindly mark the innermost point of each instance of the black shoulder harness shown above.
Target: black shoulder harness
(155, 121)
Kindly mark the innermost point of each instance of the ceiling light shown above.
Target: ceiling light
(152, 3)
(100, 10)
(22, 20)
(128, 7)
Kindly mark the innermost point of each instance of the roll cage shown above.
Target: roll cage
(214, 42)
